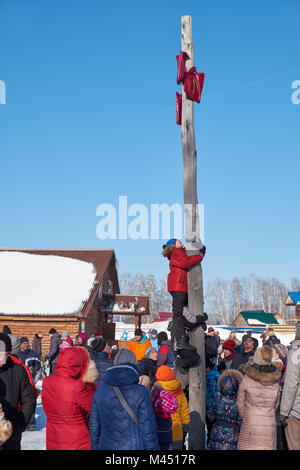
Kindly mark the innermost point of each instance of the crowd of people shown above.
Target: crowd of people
(97, 396)
(253, 393)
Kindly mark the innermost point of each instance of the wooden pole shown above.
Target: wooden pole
(197, 376)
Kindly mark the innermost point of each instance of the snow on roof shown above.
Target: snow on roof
(43, 284)
(253, 321)
(254, 317)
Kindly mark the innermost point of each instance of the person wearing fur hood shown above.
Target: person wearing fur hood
(223, 413)
(258, 399)
(67, 398)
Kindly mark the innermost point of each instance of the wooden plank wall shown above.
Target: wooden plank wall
(24, 326)
(28, 326)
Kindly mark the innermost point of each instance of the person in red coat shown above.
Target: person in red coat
(67, 397)
(180, 262)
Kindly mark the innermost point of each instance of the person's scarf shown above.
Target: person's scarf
(170, 384)
(229, 358)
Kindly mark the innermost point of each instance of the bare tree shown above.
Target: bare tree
(224, 300)
(295, 285)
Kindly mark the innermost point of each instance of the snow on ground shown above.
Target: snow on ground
(36, 440)
(162, 326)
(44, 284)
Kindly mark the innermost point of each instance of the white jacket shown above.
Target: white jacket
(290, 401)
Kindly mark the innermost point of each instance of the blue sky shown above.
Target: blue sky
(90, 116)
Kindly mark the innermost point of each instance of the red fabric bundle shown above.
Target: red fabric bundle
(181, 69)
(193, 84)
(178, 107)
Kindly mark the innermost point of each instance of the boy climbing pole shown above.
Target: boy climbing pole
(180, 262)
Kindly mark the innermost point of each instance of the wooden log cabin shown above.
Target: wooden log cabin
(74, 290)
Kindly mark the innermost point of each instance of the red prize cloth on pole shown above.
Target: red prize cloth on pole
(193, 84)
(178, 107)
(181, 69)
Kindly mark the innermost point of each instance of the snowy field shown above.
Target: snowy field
(36, 440)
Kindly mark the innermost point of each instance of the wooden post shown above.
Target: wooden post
(197, 376)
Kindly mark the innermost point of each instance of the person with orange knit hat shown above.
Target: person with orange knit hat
(164, 404)
(181, 418)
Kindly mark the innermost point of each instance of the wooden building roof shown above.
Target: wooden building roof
(102, 260)
(256, 317)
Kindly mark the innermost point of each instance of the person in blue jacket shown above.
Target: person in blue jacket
(153, 339)
(224, 413)
(212, 391)
(111, 427)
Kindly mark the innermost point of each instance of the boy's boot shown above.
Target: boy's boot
(182, 343)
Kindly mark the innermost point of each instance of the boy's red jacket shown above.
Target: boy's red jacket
(180, 262)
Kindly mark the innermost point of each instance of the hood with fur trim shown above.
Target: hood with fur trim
(75, 363)
(264, 374)
(229, 381)
(91, 374)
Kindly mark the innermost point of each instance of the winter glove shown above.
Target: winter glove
(202, 318)
(203, 250)
(283, 420)
(198, 245)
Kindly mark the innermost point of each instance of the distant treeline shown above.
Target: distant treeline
(223, 299)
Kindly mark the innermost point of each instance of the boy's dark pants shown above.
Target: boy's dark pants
(180, 299)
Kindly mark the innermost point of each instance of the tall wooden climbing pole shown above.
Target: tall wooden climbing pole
(197, 375)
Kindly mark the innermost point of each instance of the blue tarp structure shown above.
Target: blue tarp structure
(295, 296)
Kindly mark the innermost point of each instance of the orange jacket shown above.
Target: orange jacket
(139, 347)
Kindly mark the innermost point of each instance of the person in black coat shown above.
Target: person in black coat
(37, 344)
(6, 330)
(54, 350)
(16, 393)
(212, 344)
(241, 358)
(100, 355)
(148, 365)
